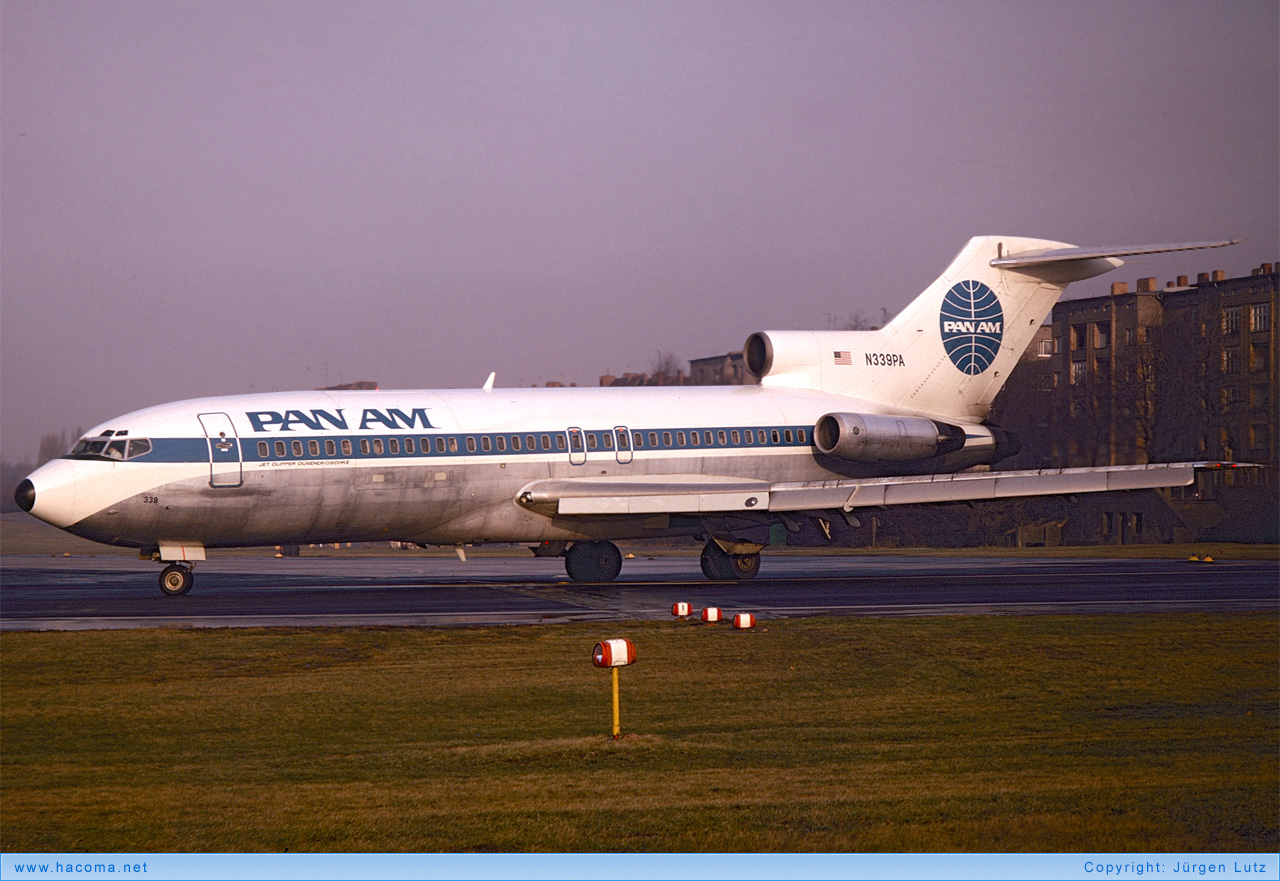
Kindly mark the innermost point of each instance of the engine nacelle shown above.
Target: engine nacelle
(866, 437)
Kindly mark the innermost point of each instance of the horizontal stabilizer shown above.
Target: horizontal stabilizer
(1069, 255)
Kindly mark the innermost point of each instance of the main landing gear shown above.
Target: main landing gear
(719, 565)
(601, 561)
(176, 579)
(593, 561)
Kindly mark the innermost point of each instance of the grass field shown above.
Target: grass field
(1115, 733)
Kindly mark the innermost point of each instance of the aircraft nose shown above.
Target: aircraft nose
(25, 495)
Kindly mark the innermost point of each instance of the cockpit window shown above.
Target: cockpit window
(114, 450)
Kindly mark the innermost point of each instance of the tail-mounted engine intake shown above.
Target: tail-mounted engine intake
(865, 437)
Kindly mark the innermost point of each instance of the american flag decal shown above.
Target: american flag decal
(844, 358)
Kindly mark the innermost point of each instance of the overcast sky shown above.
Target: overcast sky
(202, 198)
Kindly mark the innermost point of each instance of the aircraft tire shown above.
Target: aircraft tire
(715, 563)
(176, 580)
(744, 567)
(720, 566)
(593, 561)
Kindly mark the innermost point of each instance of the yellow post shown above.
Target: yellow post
(617, 719)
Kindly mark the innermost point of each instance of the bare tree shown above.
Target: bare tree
(52, 446)
(665, 367)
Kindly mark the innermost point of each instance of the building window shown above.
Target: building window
(1231, 319)
(1044, 348)
(1231, 361)
(1102, 335)
(1259, 317)
(1259, 356)
(1078, 336)
(1078, 370)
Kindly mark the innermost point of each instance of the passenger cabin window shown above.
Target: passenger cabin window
(330, 448)
(346, 446)
(280, 450)
(263, 450)
(313, 447)
(393, 446)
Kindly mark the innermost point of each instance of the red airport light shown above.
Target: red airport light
(680, 610)
(613, 653)
(744, 621)
(710, 615)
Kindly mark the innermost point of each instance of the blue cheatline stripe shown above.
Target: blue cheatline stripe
(595, 443)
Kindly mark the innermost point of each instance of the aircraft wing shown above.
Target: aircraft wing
(696, 494)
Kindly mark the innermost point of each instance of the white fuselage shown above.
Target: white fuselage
(438, 467)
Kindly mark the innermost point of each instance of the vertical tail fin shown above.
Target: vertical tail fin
(949, 352)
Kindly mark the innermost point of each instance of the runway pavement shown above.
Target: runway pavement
(77, 593)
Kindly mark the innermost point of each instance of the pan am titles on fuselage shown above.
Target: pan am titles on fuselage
(837, 420)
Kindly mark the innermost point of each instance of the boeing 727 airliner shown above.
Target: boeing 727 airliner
(838, 420)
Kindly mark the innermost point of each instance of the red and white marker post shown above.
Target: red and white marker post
(614, 653)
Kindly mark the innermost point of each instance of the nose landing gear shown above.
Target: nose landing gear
(176, 579)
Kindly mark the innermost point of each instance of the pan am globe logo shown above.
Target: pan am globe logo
(972, 324)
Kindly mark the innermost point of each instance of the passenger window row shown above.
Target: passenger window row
(528, 443)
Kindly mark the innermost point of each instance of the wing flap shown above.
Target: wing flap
(976, 486)
(697, 494)
(666, 494)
